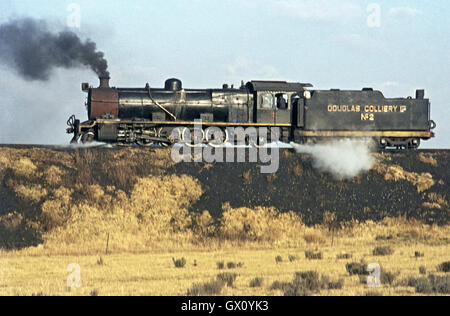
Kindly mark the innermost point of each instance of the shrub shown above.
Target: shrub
(311, 255)
(304, 284)
(384, 238)
(179, 263)
(422, 270)
(100, 261)
(95, 292)
(220, 265)
(227, 278)
(356, 268)
(292, 258)
(388, 277)
(423, 286)
(383, 251)
(231, 265)
(444, 267)
(260, 224)
(344, 256)
(282, 286)
(256, 282)
(278, 259)
(419, 254)
(213, 287)
(433, 284)
(327, 284)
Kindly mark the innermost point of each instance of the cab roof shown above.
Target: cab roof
(277, 86)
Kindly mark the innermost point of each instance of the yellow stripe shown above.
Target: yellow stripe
(184, 123)
(403, 134)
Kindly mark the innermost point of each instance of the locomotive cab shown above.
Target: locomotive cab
(277, 102)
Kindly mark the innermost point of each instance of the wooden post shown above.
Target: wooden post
(107, 244)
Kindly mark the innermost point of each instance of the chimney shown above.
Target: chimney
(104, 82)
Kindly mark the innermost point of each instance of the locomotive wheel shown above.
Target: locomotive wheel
(175, 135)
(142, 141)
(145, 143)
(214, 136)
(165, 133)
(261, 142)
(87, 137)
(191, 138)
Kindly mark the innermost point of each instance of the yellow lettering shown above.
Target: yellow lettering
(403, 109)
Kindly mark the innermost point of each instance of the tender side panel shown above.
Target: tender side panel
(364, 111)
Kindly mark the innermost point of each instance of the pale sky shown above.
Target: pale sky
(329, 43)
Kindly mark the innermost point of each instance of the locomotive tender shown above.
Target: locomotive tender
(147, 116)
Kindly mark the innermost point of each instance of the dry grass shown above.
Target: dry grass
(422, 182)
(31, 271)
(247, 177)
(428, 158)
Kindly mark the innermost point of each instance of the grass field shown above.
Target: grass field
(30, 272)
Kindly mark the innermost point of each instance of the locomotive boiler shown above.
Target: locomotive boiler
(147, 116)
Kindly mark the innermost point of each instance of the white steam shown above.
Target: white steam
(344, 159)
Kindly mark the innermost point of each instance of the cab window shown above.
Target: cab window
(267, 101)
(282, 101)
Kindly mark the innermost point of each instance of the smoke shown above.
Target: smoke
(33, 51)
(344, 159)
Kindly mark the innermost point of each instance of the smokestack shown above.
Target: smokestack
(104, 82)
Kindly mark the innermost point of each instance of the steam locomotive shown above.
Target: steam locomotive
(148, 116)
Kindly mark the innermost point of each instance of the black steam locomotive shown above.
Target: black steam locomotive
(148, 116)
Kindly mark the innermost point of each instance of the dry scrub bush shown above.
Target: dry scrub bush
(11, 221)
(203, 225)
(53, 176)
(432, 205)
(260, 224)
(314, 238)
(55, 211)
(422, 181)
(155, 211)
(428, 158)
(24, 167)
(33, 193)
(438, 199)
(4, 162)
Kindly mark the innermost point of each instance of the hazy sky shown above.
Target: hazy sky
(330, 43)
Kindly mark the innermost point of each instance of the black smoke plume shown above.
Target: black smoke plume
(33, 51)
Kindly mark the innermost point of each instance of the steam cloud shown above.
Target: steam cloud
(29, 47)
(344, 159)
